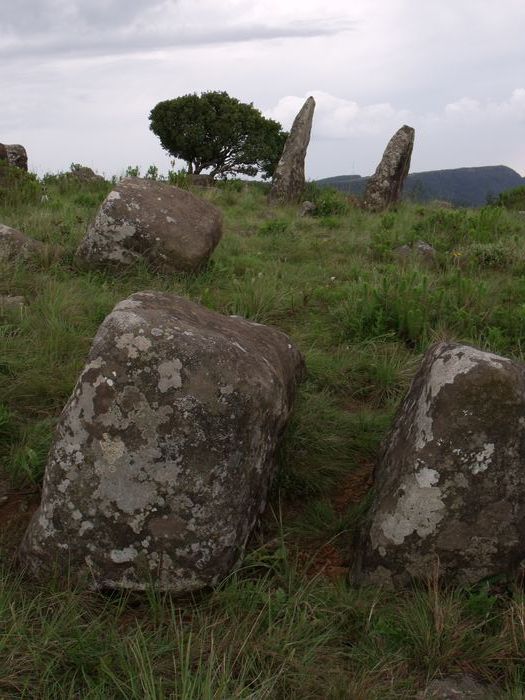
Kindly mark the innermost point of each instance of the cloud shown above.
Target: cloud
(55, 28)
(338, 118)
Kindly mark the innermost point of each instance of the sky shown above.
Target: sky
(78, 78)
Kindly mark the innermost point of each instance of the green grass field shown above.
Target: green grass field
(282, 626)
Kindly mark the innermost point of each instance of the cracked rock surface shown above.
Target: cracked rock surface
(164, 454)
(170, 228)
(450, 483)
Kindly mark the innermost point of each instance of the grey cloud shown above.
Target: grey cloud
(127, 39)
(33, 17)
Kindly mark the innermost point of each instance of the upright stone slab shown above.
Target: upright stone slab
(385, 186)
(170, 228)
(17, 156)
(164, 453)
(288, 180)
(450, 485)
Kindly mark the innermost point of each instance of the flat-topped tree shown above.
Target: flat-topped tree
(216, 132)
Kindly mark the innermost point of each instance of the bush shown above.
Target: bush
(513, 199)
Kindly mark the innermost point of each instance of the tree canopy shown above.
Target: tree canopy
(218, 132)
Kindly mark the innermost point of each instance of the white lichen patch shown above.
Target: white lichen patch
(112, 196)
(122, 556)
(169, 375)
(483, 459)
(426, 477)
(420, 509)
(133, 344)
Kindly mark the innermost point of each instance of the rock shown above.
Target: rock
(164, 453)
(450, 483)
(420, 249)
(288, 180)
(12, 303)
(307, 209)
(170, 228)
(17, 156)
(83, 174)
(3, 152)
(201, 180)
(385, 186)
(460, 687)
(15, 244)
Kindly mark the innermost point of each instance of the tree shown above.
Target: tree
(217, 131)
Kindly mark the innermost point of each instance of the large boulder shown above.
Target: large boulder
(170, 228)
(164, 453)
(288, 180)
(450, 485)
(17, 156)
(16, 245)
(83, 174)
(386, 184)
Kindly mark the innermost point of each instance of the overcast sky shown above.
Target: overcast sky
(79, 77)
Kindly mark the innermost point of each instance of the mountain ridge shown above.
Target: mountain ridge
(467, 186)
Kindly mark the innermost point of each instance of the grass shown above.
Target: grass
(274, 629)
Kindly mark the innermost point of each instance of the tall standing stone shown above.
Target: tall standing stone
(450, 485)
(164, 454)
(288, 180)
(386, 184)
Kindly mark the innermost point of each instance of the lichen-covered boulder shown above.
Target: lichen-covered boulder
(15, 244)
(450, 484)
(386, 184)
(17, 156)
(165, 451)
(170, 228)
(288, 180)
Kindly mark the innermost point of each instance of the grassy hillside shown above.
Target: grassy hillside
(469, 187)
(287, 625)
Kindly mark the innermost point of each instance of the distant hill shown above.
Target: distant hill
(460, 186)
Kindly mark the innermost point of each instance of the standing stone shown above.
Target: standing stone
(17, 156)
(170, 228)
(288, 180)
(385, 186)
(164, 453)
(16, 245)
(450, 484)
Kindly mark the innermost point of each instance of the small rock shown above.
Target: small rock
(170, 228)
(460, 687)
(307, 209)
(450, 483)
(420, 249)
(15, 244)
(9, 302)
(386, 184)
(201, 180)
(164, 454)
(288, 180)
